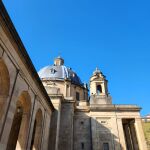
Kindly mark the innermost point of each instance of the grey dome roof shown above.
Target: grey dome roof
(59, 72)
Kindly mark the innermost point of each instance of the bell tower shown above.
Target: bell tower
(98, 88)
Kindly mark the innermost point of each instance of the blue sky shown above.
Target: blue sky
(111, 34)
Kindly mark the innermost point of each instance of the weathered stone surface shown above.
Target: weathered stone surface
(30, 120)
(66, 127)
(82, 132)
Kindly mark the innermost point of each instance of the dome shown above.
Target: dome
(59, 72)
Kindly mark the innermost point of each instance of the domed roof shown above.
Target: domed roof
(59, 72)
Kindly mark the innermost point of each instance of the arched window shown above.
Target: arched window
(99, 89)
(77, 96)
(14, 133)
(37, 131)
(20, 125)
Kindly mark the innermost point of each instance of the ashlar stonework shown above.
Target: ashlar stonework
(89, 122)
(51, 109)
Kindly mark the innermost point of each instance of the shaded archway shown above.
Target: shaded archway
(20, 126)
(37, 131)
(4, 86)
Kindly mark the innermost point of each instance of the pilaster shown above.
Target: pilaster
(140, 134)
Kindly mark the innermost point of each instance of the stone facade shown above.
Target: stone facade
(25, 108)
(90, 123)
(58, 113)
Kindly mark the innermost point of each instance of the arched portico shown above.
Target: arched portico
(4, 86)
(20, 126)
(37, 131)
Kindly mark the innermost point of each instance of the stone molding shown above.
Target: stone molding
(114, 107)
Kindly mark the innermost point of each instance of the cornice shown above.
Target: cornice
(12, 34)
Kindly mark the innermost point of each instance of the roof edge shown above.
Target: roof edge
(10, 30)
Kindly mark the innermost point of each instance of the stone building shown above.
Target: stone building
(84, 122)
(54, 111)
(25, 107)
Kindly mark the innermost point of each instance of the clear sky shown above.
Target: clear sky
(111, 34)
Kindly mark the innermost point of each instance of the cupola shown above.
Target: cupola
(58, 61)
(98, 83)
(98, 88)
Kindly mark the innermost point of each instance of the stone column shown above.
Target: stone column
(140, 134)
(66, 126)
(94, 135)
(121, 134)
(128, 136)
(56, 100)
(134, 136)
(58, 126)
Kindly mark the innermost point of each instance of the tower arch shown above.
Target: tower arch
(99, 89)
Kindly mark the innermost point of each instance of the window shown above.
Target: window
(84, 95)
(82, 145)
(105, 146)
(77, 96)
(99, 89)
(103, 122)
(82, 122)
(52, 70)
(67, 91)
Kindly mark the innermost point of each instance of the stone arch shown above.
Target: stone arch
(37, 131)
(4, 85)
(20, 126)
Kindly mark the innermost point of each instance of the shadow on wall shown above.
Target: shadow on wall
(88, 133)
(93, 134)
(53, 128)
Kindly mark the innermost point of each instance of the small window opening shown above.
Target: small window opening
(99, 89)
(103, 122)
(77, 96)
(105, 146)
(82, 145)
(84, 95)
(82, 122)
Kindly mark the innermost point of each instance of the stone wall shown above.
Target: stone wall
(107, 127)
(82, 132)
(25, 107)
(66, 126)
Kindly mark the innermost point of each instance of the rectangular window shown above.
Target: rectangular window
(67, 91)
(77, 96)
(105, 146)
(82, 145)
